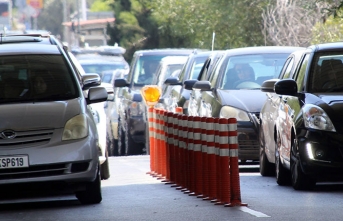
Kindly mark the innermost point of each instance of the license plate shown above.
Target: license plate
(14, 162)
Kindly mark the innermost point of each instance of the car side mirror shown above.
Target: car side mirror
(189, 84)
(172, 81)
(268, 85)
(202, 85)
(120, 82)
(90, 80)
(286, 87)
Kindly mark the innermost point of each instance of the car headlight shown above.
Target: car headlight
(231, 112)
(316, 118)
(76, 128)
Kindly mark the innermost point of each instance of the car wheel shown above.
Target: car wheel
(300, 181)
(105, 168)
(92, 193)
(121, 139)
(282, 174)
(266, 168)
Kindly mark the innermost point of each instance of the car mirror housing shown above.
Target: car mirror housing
(268, 85)
(189, 84)
(96, 94)
(90, 80)
(202, 85)
(286, 87)
(172, 81)
(120, 82)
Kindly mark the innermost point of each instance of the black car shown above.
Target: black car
(233, 91)
(131, 107)
(309, 127)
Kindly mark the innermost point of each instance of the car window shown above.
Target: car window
(288, 68)
(145, 68)
(300, 75)
(35, 78)
(196, 67)
(253, 69)
(165, 72)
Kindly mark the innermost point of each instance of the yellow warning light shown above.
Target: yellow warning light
(151, 94)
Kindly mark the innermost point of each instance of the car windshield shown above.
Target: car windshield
(166, 71)
(145, 69)
(250, 71)
(27, 78)
(99, 68)
(326, 73)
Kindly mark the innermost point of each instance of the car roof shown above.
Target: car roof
(332, 46)
(16, 49)
(262, 49)
(174, 59)
(169, 51)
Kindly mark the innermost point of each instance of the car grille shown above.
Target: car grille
(248, 141)
(248, 144)
(27, 138)
(43, 170)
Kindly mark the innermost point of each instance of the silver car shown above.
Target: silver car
(48, 136)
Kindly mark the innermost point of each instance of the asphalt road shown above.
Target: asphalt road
(131, 194)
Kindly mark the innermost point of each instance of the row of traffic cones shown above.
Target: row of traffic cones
(197, 155)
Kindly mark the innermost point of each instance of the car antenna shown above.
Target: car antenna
(213, 35)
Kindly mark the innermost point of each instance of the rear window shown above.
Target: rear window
(26, 78)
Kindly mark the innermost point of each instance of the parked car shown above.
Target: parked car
(308, 130)
(111, 106)
(204, 75)
(99, 115)
(48, 135)
(233, 91)
(269, 115)
(175, 93)
(131, 108)
(106, 64)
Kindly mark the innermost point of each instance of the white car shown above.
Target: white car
(100, 119)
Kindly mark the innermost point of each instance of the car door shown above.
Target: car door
(289, 110)
(209, 103)
(269, 112)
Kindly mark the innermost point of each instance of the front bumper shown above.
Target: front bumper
(55, 161)
(321, 154)
(137, 127)
(248, 143)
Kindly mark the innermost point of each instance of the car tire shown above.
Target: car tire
(105, 168)
(121, 139)
(92, 193)
(266, 168)
(282, 174)
(300, 181)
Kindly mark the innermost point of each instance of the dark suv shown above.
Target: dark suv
(131, 107)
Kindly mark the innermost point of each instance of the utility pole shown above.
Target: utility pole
(66, 31)
(78, 23)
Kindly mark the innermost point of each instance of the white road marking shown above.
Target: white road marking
(252, 212)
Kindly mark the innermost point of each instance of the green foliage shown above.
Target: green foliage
(330, 31)
(100, 5)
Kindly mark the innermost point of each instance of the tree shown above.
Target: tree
(290, 22)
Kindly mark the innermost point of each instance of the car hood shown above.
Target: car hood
(40, 115)
(248, 100)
